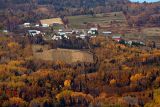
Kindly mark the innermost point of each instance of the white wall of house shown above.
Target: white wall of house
(45, 25)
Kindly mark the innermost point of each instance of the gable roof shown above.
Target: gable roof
(115, 37)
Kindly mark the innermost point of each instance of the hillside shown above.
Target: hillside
(120, 75)
(79, 53)
(65, 7)
(15, 12)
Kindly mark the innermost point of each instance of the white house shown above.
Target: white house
(130, 42)
(61, 33)
(55, 37)
(5, 31)
(69, 32)
(45, 25)
(26, 24)
(37, 25)
(93, 31)
(75, 31)
(93, 36)
(65, 36)
(33, 32)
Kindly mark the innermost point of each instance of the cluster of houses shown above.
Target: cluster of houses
(60, 34)
(78, 34)
(82, 34)
(119, 39)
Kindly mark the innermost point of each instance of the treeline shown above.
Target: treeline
(143, 14)
(66, 7)
(65, 3)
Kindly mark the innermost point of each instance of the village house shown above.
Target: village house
(37, 25)
(56, 37)
(5, 31)
(26, 24)
(93, 36)
(68, 31)
(61, 35)
(93, 31)
(33, 32)
(81, 36)
(64, 32)
(117, 38)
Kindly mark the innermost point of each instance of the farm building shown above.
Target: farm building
(51, 22)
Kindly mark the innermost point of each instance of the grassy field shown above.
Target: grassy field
(104, 19)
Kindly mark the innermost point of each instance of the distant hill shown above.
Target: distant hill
(14, 12)
(58, 4)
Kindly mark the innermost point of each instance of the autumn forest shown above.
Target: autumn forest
(121, 71)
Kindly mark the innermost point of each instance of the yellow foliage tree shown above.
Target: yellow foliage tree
(17, 101)
(65, 93)
(39, 102)
(67, 83)
(156, 100)
(16, 62)
(113, 82)
(13, 45)
(136, 77)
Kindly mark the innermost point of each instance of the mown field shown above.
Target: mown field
(63, 55)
